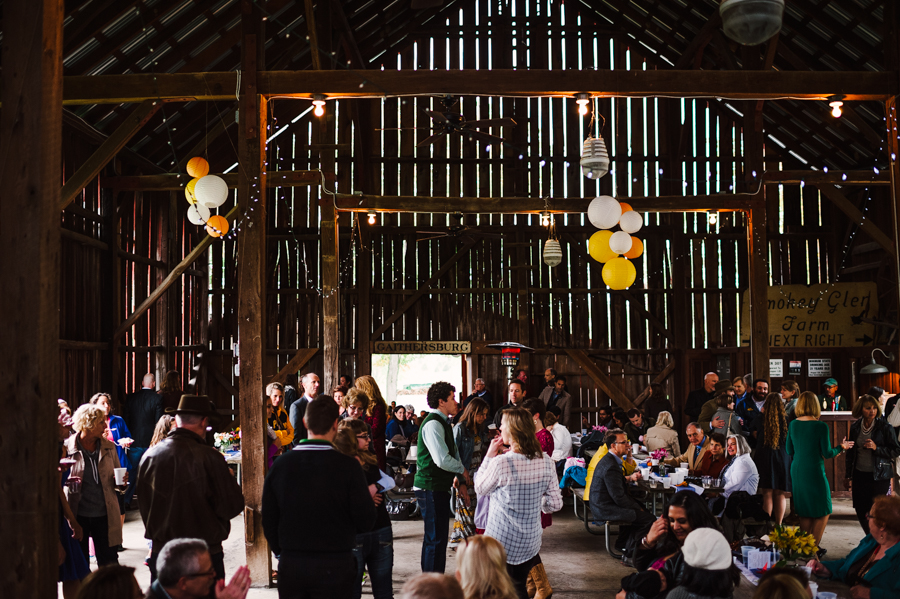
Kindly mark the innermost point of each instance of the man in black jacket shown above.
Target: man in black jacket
(141, 412)
(609, 495)
(310, 383)
(315, 502)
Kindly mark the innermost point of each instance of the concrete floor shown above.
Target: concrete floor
(576, 562)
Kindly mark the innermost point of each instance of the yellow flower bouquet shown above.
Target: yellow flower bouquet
(793, 543)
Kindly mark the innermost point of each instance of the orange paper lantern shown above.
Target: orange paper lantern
(197, 167)
(217, 226)
(626, 207)
(637, 248)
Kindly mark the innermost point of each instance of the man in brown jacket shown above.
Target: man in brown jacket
(185, 487)
(699, 443)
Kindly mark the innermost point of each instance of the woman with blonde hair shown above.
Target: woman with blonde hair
(374, 550)
(94, 500)
(521, 482)
(663, 435)
(809, 445)
(481, 569)
(164, 426)
(376, 415)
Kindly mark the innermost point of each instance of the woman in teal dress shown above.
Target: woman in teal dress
(809, 445)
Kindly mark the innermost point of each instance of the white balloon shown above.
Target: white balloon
(198, 214)
(631, 221)
(211, 191)
(604, 212)
(620, 242)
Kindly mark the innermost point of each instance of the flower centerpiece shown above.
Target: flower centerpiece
(657, 455)
(227, 440)
(792, 543)
(600, 429)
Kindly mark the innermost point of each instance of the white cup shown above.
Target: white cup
(645, 473)
(635, 447)
(120, 475)
(814, 588)
(825, 595)
(667, 482)
(684, 465)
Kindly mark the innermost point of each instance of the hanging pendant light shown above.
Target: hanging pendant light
(751, 22)
(594, 158)
(552, 253)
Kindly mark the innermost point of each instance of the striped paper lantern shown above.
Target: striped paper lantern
(552, 253)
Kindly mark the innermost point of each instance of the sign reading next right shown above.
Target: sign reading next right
(817, 316)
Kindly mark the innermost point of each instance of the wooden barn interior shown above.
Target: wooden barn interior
(351, 228)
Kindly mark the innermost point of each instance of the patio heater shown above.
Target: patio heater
(509, 354)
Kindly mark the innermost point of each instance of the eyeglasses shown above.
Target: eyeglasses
(625, 442)
(210, 572)
(364, 436)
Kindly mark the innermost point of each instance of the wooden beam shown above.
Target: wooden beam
(700, 41)
(252, 126)
(602, 380)
(893, 149)
(70, 119)
(669, 369)
(730, 85)
(424, 288)
(868, 226)
(107, 151)
(83, 239)
(656, 323)
(757, 251)
(30, 172)
(299, 360)
(312, 34)
(869, 177)
(171, 278)
(177, 181)
(534, 205)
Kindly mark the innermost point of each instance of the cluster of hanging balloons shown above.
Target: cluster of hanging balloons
(615, 249)
(203, 192)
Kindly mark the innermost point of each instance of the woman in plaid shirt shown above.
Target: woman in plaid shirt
(522, 483)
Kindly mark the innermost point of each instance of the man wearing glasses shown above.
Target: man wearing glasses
(186, 572)
(609, 498)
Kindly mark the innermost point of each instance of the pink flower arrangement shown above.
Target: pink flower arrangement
(658, 454)
(601, 429)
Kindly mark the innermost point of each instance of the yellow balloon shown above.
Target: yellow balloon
(197, 167)
(619, 274)
(637, 248)
(189, 191)
(598, 246)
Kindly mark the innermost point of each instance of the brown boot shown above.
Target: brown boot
(541, 583)
(529, 585)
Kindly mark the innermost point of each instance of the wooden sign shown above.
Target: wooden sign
(422, 347)
(817, 316)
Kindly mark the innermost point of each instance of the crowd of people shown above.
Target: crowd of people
(495, 477)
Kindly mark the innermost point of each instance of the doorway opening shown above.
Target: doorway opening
(405, 378)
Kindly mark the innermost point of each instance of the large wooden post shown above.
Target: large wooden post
(757, 235)
(30, 179)
(251, 194)
(331, 299)
(893, 150)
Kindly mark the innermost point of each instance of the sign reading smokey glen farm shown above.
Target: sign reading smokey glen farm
(423, 347)
(817, 316)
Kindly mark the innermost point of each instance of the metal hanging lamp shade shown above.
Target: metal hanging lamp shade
(552, 253)
(751, 22)
(594, 158)
(874, 367)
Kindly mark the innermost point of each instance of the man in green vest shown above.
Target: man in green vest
(437, 468)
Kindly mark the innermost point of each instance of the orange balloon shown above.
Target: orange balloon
(626, 207)
(217, 226)
(197, 167)
(637, 248)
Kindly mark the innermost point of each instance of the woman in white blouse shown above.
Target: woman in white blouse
(522, 483)
(741, 473)
(562, 439)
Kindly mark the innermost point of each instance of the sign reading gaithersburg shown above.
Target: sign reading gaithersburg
(422, 347)
(817, 316)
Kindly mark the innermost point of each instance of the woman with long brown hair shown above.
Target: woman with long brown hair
(376, 415)
(170, 390)
(470, 434)
(771, 458)
(522, 483)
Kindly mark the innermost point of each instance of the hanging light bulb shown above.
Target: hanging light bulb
(836, 102)
(712, 218)
(582, 100)
(372, 217)
(545, 219)
(319, 103)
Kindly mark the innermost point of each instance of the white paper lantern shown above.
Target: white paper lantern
(552, 253)
(594, 158)
(631, 221)
(751, 22)
(198, 214)
(620, 242)
(211, 191)
(604, 212)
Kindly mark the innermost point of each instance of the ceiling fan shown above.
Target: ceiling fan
(458, 229)
(447, 121)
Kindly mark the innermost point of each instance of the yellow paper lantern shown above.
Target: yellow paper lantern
(217, 226)
(637, 248)
(197, 167)
(189, 191)
(626, 207)
(598, 246)
(619, 274)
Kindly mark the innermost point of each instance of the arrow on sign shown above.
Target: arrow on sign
(865, 339)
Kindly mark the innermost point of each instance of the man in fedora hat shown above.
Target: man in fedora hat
(707, 422)
(186, 488)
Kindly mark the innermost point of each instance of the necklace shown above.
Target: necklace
(869, 429)
(868, 565)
